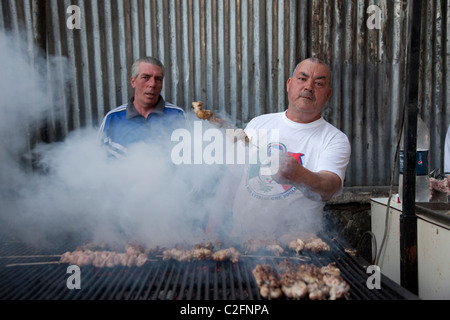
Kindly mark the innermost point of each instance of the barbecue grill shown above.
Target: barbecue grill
(35, 274)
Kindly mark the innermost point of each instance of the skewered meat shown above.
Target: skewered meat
(313, 278)
(202, 114)
(297, 245)
(141, 259)
(206, 114)
(298, 281)
(294, 242)
(206, 245)
(317, 245)
(275, 248)
(102, 246)
(226, 254)
(294, 280)
(99, 259)
(267, 281)
(258, 245)
(154, 251)
(237, 135)
(292, 287)
(307, 243)
(338, 287)
(177, 254)
(133, 249)
(137, 255)
(200, 252)
(331, 269)
(440, 185)
(318, 291)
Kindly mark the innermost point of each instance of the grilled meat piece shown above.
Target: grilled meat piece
(134, 256)
(297, 245)
(226, 254)
(201, 252)
(306, 243)
(267, 280)
(316, 245)
(237, 135)
(267, 245)
(298, 281)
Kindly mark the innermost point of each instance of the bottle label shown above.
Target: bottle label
(422, 159)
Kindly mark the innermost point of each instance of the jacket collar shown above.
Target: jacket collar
(132, 112)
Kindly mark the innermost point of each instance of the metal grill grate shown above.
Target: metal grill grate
(167, 280)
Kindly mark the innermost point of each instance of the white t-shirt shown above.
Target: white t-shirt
(263, 207)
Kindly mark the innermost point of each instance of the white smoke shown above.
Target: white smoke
(24, 103)
(78, 190)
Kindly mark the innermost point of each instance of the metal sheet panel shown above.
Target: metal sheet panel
(236, 55)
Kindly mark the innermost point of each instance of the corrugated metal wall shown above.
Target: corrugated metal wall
(236, 55)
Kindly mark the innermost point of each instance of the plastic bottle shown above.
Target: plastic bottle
(423, 192)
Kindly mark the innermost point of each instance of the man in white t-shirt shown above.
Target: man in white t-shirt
(313, 157)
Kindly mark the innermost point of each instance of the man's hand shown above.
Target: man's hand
(315, 185)
(288, 171)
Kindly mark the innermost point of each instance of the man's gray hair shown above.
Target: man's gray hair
(150, 60)
(314, 60)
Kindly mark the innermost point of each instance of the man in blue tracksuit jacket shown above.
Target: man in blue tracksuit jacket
(147, 116)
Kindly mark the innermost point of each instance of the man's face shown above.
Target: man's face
(308, 90)
(147, 85)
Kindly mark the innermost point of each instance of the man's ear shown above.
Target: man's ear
(329, 94)
(132, 81)
(287, 84)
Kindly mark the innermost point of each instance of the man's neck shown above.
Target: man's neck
(302, 117)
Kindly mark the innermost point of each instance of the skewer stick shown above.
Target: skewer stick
(45, 263)
(218, 122)
(32, 256)
(299, 257)
(31, 264)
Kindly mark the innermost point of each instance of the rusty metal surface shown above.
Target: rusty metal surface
(236, 55)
